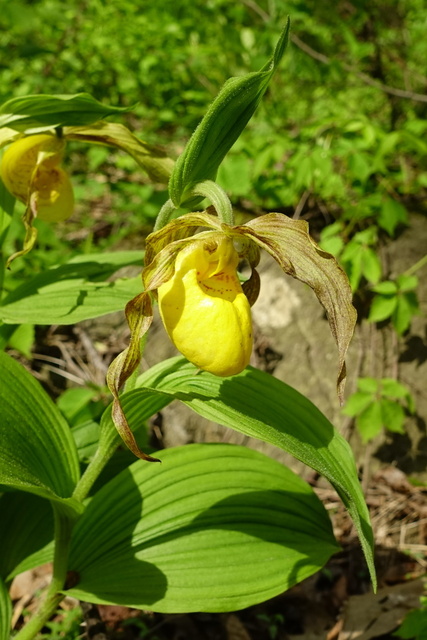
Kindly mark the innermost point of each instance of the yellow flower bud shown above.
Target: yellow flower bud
(204, 309)
(30, 169)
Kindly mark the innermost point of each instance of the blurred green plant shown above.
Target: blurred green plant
(397, 300)
(414, 625)
(379, 404)
(273, 621)
(66, 627)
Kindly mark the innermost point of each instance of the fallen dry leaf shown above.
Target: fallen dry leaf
(370, 615)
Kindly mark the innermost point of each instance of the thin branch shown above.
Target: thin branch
(320, 57)
(301, 204)
(309, 51)
(255, 7)
(400, 93)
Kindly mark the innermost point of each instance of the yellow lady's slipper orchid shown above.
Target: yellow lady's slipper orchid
(204, 309)
(30, 171)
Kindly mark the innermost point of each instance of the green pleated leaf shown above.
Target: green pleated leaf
(37, 452)
(258, 405)
(86, 438)
(54, 111)
(5, 612)
(26, 533)
(213, 528)
(75, 291)
(222, 125)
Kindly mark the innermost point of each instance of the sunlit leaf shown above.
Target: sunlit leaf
(382, 307)
(393, 415)
(392, 213)
(407, 283)
(385, 288)
(368, 385)
(37, 452)
(393, 388)
(258, 405)
(214, 528)
(407, 306)
(356, 403)
(22, 339)
(72, 292)
(371, 265)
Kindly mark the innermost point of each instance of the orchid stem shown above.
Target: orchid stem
(63, 528)
(217, 196)
(165, 215)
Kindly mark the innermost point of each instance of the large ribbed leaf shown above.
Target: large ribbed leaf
(26, 533)
(75, 291)
(37, 451)
(5, 612)
(258, 405)
(213, 528)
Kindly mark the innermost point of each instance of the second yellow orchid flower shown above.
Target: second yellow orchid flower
(30, 170)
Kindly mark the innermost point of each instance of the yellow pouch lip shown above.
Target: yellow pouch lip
(54, 193)
(204, 310)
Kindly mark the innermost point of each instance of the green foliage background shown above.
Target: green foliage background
(325, 133)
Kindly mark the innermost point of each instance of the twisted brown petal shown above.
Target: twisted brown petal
(299, 256)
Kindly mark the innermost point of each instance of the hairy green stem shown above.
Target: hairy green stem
(165, 215)
(107, 445)
(63, 527)
(94, 468)
(217, 196)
